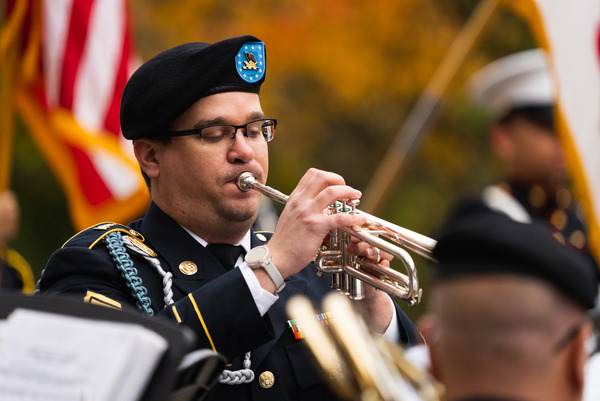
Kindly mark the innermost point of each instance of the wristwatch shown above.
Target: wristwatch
(260, 256)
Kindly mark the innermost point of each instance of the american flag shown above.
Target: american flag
(71, 61)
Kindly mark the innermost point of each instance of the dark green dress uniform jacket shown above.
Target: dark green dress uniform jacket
(215, 303)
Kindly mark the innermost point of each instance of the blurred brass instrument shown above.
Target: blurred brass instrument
(349, 272)
(357, 364)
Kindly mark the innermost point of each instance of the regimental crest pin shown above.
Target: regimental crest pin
(250, 61)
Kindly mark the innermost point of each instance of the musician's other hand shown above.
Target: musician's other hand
(361, 248)
(377, 306)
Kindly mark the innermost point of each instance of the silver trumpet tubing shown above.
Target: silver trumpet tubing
(357, 364)
(349, 272)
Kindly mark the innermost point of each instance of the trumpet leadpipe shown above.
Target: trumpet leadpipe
(412, 240)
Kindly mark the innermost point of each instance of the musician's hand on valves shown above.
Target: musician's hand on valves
(303, 224)
(377, 306)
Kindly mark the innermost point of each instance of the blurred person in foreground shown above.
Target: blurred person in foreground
(15, 272)
(194, 116)
(508, 312)
(517, 91)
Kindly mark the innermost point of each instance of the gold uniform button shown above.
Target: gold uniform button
(266, 379)
(188, 268)
(577, 239)
(261, 237)
(559, 219)
(537, 197)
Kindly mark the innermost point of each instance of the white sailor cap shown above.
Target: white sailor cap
(515, 81)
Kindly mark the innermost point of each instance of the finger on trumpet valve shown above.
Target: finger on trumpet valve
(378, 255)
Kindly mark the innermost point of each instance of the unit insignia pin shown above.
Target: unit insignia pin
(188, 268)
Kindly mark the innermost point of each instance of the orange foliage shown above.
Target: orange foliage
(342, 76)
(353, 48)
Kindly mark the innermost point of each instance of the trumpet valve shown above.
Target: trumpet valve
(353, 203)
(356, 288)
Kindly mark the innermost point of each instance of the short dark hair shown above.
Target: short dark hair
(541, 116)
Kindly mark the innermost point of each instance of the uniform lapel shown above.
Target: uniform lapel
(174, 246)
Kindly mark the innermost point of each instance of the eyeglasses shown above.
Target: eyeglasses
(223, 135)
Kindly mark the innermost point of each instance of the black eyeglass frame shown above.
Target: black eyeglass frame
(243, 127)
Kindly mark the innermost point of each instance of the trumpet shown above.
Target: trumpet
(348, 273)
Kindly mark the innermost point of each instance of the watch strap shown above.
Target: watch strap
(274, 274)
(264, 261)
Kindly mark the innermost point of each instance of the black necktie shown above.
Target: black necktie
(227, 254)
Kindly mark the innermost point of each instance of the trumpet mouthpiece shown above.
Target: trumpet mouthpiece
(245, 180)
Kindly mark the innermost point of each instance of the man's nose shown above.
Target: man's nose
(241, 148)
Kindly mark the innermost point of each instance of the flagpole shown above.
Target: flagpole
(421, 115)
(8, 57)
(6, 118)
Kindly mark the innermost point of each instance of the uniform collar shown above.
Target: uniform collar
(244, 243)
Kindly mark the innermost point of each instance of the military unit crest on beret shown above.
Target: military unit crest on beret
(250, 61)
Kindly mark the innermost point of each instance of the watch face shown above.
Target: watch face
(259, 253)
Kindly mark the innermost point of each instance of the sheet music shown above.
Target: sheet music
(47, 357)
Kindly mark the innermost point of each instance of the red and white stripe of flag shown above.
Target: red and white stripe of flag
(85, 59)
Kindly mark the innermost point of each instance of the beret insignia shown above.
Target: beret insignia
(250, 61)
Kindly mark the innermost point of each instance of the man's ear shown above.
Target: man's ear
(502, 143)
(145, 151)
(579, 357)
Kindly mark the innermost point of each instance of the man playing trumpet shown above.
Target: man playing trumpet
(195, 119)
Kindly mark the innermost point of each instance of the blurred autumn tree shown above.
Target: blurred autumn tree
(342, 76)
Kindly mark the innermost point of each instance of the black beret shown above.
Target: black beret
(492, 243)
(170, 82)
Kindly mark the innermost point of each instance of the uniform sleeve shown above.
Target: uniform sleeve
(409, 334)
